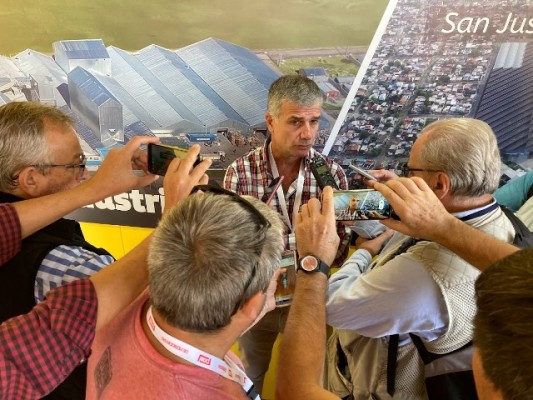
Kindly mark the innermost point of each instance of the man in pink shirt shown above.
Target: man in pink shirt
(212, 266)
(67, 320)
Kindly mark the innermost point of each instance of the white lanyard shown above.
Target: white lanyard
(281, 196)
(226, 368)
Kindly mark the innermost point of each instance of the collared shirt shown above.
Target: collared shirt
(10, 233)
(252, 175)
(400, 297)
(65, 264)
(39, 349)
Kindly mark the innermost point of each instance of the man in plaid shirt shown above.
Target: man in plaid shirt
(40, 349)
(294, 108)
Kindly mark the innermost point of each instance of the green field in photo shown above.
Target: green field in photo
(334, 65)
(132, 25)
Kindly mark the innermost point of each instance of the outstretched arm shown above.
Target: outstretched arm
(121, 282)
(303, 344)
(114, 176)
(422, 215)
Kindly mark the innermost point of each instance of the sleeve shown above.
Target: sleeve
(231, 179)
(340, 176)
(398, 297)
(342, 230)
(40, 349)
(515, 193)
(10, 233)
(64, 264)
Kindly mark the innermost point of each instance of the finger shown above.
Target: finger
(137, 141)
(314, 206)
(304, 211)
(204, 180)
(393, 225)
(328, 208)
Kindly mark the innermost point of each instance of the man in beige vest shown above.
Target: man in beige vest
(416, 287)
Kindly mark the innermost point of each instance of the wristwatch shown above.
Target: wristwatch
(311, 264)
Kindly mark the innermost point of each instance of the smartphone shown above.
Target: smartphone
(286, 279)
(361, 172)
(359, 205)
(160, 156)
(322, 173)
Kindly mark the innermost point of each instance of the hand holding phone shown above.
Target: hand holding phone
(286, 279)
(363, 204)
(160, 156)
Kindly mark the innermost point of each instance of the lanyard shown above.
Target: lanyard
(281, 196)
(226, 368)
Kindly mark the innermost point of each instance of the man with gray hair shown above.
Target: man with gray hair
(292, 118)
(416, 300)
(40, 154)
(211, 267)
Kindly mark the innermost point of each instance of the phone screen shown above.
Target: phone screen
(160, 156)
(364, 204)
(286, 279)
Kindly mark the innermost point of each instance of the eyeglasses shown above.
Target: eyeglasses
(407, 171)
(82, 164)
(263, 223)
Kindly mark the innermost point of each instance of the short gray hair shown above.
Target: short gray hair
(22, 140)
(204, 253)
(295, 89)
(466, 149)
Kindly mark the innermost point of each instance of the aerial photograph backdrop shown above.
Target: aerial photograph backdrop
(186, 72)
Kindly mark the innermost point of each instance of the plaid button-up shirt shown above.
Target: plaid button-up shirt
(10, 232)
(40, 349)
(252, 175)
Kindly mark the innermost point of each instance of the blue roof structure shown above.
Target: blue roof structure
(82, 49)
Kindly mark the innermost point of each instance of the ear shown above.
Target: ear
(30, 182)
(254, 305)
(440, 184)
(269, 118)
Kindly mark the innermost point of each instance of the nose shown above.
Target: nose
(307, 131)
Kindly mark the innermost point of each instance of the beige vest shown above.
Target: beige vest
(525, 213)
(367, 357)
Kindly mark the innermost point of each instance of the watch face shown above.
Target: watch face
(309, 263)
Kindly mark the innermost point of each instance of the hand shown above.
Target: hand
(181, 177)
(316, 230)
(374, 246)
(270, 302)
(116, 175)
(381, 175)
(421, 213)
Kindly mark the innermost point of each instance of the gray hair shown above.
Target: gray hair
(466, 149)
(204, 253)
(295, 89)
(22, 139)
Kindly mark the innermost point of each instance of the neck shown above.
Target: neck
(216, 344)
(460, 203)
(288, 167)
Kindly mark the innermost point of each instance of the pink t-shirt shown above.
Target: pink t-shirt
(124, 365)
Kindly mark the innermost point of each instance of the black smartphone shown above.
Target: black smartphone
(160, 156)
(322, 173)
(360, 205)
(361, 172)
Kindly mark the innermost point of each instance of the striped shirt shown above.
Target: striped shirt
(65, 264)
